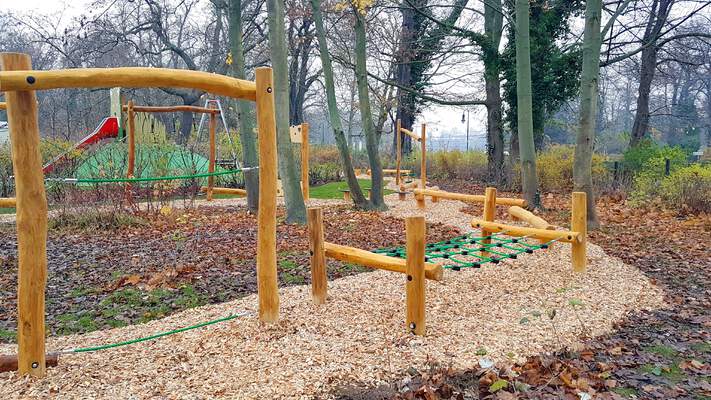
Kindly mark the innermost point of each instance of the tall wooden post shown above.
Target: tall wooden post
(415, 286)
(319, 278)
(489, 213)
(398, 152)
(31, 220)
(267, 284)
(305, 160)
(212, 127)
(131, 115)
(423, 162)
(579, 223)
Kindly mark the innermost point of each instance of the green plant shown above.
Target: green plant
(554, 167)
(688, 189)
(648, 155)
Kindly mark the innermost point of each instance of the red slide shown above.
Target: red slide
(108, 128)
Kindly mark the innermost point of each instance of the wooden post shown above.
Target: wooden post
(347, 195)
(579, 223)
(305, 160)
(267, 284)
(489, 214)
(420, 199)
(415, 286)
(31, 220)
(398, 152)
(212, 127)
(318, 257)
(423, 162)
(131, 115)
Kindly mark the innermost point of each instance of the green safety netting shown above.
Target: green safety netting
(109, 163)
(465, 251)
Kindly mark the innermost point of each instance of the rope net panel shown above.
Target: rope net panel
(466, 251)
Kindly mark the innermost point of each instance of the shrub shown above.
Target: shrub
(688, 189)
(554, 168)
(455, 164)
(648, 154)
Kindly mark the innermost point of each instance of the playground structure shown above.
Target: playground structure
(466, 251)
(19, 82)
(300, 135)
(422, 138)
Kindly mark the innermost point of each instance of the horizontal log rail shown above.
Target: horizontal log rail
(3, 105)
(409, 185)
(378, 261)
(224, 190)
(530, 218)
(470, 198)
(9, 362)
(8, 202)
(128, 77)
(391, 171)
(513, 230)
(158, 109)
(411, 134)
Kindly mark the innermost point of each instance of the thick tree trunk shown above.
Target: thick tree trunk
(582, 166)
(524, 100)
(657, 19)
(250, 157)
(288, 170)
(371, 139)
(493, 25)
(334, 117)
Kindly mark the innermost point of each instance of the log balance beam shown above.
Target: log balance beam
(577, 236)
(414, 267)
(8, 202)
(9, 362)
(20, 82)
(519, 214)
(387, 171)
(224, 190)
(467, 198)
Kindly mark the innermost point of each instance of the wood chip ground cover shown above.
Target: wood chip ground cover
(358, 337)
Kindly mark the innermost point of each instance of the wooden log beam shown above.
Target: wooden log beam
(3, 105)
(529, 217)
(8, 362)
(31, 221)
(513, 230)
(415, 269)
(128, 77)
(267, 279)
(391, 171)
(166, 109)
(319, 278)
(410, 134)
(410, 185)
(470, 198)
(378, 261)
(223, 190)
(579, 222)
(8, 202)
(489, 215)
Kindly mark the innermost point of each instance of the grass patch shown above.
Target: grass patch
(672, 373)
(333, 190)
(701, 347)
(662, 350)
(7, 210)
(7, 335)
(292, 279)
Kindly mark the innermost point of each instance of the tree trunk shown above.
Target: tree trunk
(371, 139)
(582, 166)
(288, 170)
(334, 117)
(250, 157)
(493, 25)
(525, 104)
(657, 19)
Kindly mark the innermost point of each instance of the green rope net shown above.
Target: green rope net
(464, 251)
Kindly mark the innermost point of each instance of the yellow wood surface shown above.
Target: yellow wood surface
(319, 279)
(529, 217)
(31, 220)
(212, 127)
(513, 230)
(378, 261)
(159, 109)
(415, 269)
(471, 198)
(305, 161)
(267, 284)
(489, 213)
(3, 105)
(410, 134)
(128, 77)
(579, 223)
(7, 202)
(224, 190)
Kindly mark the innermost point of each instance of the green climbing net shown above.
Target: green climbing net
(466, 251)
